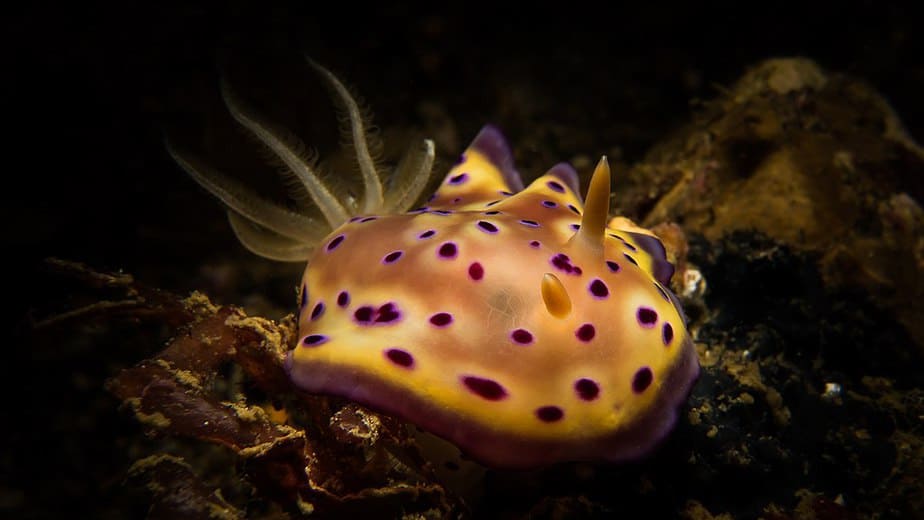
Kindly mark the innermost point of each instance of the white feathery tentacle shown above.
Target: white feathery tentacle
(274, 232)
(410, 177)
(242, 200)
(266, 243)
(334, 212)
(373, 199)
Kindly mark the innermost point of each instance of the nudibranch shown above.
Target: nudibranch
(517, 323)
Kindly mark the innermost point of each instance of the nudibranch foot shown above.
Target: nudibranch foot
(273, 231)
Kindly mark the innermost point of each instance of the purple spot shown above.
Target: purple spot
(614, 267)
(461, 159)
(426, 234)
(529, 223)
(400, 357)
(667, 333)
(566, 174)
(575, 227)
(457, 200)
(505, 193)
(314, 340)
(442, 212)
(495, 212)
(487, 227)
(534, 243)
(458, 179)
(354, 219)
(363, 314)
(385, 314)
(629, 246)
(549, 204)
(434, 196)
(485, 388)
(647, 317)
(563, 263)
(598, 288)
(493, 202)
(475, 271)
(392, 257)
(441, 319)
(549, 413)
(343, 299)
(574, 209)
(663, 292)
(587, 389)
(317, 311)
(448, 250)
(422, 209)
(630, 259)
(304, 296)
(555, 186)
(368, 219)
(335, 242)
(585, 332)
(642, 380)
(522, 336)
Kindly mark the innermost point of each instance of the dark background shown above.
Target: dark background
(96, 88)
(92, 91)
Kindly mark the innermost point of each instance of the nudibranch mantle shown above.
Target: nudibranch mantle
(505, 320)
